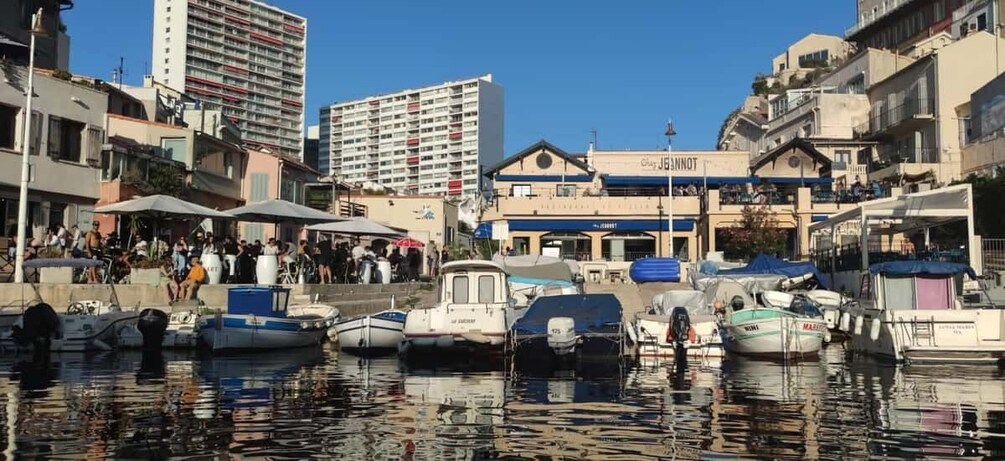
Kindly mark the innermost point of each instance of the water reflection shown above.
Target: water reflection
(305, 403)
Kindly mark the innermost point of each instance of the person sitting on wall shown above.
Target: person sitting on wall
(196, 277)
(168, 279)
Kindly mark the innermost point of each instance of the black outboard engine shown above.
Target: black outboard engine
(39, 324)
(152, 324)
(680, 326)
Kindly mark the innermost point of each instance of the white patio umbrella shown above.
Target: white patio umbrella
(161, 206)
(281, 211)
(357, 226)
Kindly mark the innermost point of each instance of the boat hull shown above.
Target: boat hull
(459, 328)
(947, 336)
(371, 333)
(651, 331)
(247, 332)
(589, 345)
(779, 337)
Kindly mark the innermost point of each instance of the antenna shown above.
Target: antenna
(120, 72)
(594, 133)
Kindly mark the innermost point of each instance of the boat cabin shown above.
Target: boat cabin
(473, 282)
(260, 301)
(918, 285)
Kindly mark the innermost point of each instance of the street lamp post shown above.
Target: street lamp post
(22, 206)
(659, 247)
(670, 133)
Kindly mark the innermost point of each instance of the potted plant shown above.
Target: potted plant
(147, 271)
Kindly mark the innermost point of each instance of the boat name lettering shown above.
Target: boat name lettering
(813, 326)
(751, 328)
(463, 321)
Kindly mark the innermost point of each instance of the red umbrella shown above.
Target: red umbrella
(408, 242)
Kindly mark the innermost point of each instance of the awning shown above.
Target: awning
(484, 230)
(677, 180)
(772, 180)
(544, 178)
(908, 212)
(7, 41)
(818, 218)
(586, 225)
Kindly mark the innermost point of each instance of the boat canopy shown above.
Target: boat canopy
(535, 267)
(904, 268)
(764, 264)
(725, 290)
(590, 312)
(693, 300)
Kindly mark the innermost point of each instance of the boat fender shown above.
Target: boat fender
(474, 337)
(859, 325)
(845, 322)
(874, 329)
(827, 336)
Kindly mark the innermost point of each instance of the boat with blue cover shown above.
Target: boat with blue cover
(370, 334)
(260, 318)
(564, 325)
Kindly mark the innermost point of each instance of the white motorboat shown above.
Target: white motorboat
(783, 300)
(792, 333)
(473, 312)
(259, 318)
(158, 329)
(368, 334)
(914, 314)
(650, 329)
(832, 304)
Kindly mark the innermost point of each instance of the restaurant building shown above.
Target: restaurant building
(609, 208)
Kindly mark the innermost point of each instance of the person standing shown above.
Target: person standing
(325, 255)
(77, 245)
(92, 247)
(230, 253)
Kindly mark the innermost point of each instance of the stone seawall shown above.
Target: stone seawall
(349, 299)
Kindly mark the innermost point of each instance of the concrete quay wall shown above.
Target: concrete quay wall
(349, 299)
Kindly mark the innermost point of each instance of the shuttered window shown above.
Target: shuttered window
(259, 187)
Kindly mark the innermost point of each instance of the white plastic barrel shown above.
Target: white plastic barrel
(214, 267)
(366, 274)
(384, 271)
(859, 325)
(231, 265)
(267, 269)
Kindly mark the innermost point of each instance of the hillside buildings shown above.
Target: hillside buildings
(244, 58)
(428, 140)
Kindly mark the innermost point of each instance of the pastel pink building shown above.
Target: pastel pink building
(271, 176)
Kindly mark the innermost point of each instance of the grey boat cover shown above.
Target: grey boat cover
(692, 300)
(724, 290)
(535, 267)
(752, 283)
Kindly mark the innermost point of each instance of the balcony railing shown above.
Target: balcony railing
(894, 116)
(755, 198)
(905, 156)
(868, 17)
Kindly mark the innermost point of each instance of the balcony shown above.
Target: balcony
(548, 201)
(909, 116)
(869, 17)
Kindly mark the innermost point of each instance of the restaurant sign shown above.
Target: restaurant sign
(681, 164)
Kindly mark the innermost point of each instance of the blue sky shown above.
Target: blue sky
(620, 67)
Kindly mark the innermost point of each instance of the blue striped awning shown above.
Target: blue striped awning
(677, 180)
(818, 218)
(544, 177)
(794, 180)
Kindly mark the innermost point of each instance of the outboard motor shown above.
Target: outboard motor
(152, 324)
(679, 331)
(37, 326)
(562, 335)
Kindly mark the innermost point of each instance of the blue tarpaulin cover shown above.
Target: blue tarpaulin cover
(655, 270)
(921, 268)
(764, 264)
(590, 312)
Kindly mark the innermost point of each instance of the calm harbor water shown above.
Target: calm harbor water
(321, 404)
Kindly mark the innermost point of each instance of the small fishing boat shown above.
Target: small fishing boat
(259, 318)
(564, 325)
(370, 334)
(474, 313)
(687, 311)
(86, 325)
(915, 314)
(749, 329)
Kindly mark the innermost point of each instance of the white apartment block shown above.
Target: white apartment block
(426, 141)
(242, 57)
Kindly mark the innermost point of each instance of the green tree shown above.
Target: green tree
(166, 179)
(757, 232)
(759, 86)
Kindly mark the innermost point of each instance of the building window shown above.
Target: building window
(167, 30)
(627, 246)
(565, 190)
(174, 148)
(567, 245)
(8, 124)
(520, 190)
(521, 245)
(259, 187)
(842, 158)
(64, 139)
(815, 59)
